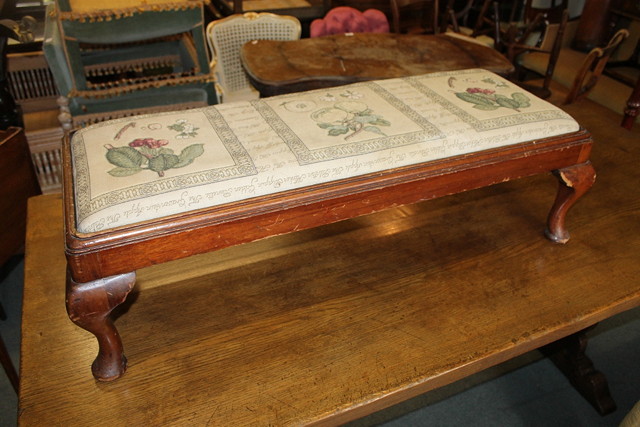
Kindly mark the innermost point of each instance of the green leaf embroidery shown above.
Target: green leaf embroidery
(522, 100)
(338, 130)
(488, 100)
(374, 129)
(149, 154)
(348, 116)
(122, 172)
(125, 157)
(503, 101)
(486, 107)
(163, 162)
(189, 154)
(474, 98)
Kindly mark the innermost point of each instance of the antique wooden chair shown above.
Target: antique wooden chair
(113, 62)
(550, 45)
(592, 67)
(415, 16)
(226, 36)
(576, 70)
(485, 29)
(530, 25)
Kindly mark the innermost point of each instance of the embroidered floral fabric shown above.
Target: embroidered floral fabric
(147, 167)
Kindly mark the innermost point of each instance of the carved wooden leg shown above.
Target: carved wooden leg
(89, 306)
(569, 355)
(574, 182)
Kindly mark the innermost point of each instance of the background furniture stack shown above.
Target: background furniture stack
(33, 88)
(134, 57)
(589, 48)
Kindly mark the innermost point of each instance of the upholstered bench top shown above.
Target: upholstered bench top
(147, 167)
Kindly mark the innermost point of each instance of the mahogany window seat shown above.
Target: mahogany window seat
(144, 190)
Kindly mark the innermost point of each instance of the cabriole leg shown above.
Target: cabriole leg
(574, 182)
(89, 306)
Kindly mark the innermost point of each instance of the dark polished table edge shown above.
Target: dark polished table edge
(268, 88)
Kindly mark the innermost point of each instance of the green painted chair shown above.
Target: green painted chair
(135, 57)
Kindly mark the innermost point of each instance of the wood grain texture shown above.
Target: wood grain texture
(329, 324)
(279, 67)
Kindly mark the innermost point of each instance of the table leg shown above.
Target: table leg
(569, 355)
(7, 364)
(632, 108)
(89, 306)
(574, 181)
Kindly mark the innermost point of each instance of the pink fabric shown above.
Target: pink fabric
(346, 19)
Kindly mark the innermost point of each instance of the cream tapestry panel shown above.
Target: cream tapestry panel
(147, 167)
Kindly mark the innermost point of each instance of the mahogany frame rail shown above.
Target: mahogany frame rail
(101, 266)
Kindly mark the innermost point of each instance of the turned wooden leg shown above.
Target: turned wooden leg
(569, 355)
(633, 107)
(89, 306)
(574, 182)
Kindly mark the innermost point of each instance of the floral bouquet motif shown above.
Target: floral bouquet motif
(489, 99)
(349, 116)
(149, 154)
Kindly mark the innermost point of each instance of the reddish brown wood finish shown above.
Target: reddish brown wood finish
(632, 108)
(120, 251)
(574, 182)
(89, 306)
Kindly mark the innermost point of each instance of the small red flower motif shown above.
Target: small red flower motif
(148, 142)
(478, 90)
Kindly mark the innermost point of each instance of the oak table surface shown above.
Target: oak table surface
(278, 67)
(329, 324)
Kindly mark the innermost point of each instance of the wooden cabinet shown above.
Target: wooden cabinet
(18, 182)
(594, 27)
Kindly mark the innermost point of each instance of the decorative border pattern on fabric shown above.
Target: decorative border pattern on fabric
(86, 204)
(305, 155)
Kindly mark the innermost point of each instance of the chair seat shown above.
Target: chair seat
(148, 167)
(465, 34)
(169, 98)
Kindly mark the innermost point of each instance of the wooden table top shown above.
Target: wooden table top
(332, 323)
(277, 67)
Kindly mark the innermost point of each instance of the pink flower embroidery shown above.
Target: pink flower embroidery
(148, 142)
(479, 90)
